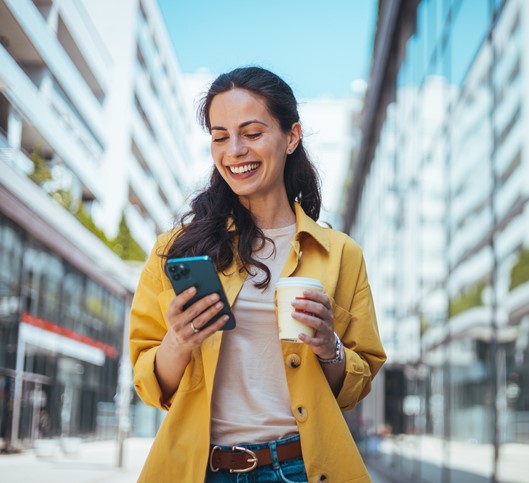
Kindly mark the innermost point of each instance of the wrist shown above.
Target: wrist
(339, 353)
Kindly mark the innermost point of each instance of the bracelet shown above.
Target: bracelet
(339, 353)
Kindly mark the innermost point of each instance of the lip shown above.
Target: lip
(245, 174)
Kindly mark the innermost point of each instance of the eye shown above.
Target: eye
(219, 140)
(254, 135)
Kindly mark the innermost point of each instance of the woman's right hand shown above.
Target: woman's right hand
(186, 327)
(186, 332)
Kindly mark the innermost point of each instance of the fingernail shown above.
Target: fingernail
(307, 292)
(214, 297)
(191, 290)
(219, 305)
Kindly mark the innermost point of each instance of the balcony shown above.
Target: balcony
(53, 55)
(154, 158)
(45, 219)
(28, 100)
(518, 302)
(147, 190)
(143, 231)
(170, 149)
(88, 44)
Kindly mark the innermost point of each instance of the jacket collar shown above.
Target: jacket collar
(305, 224)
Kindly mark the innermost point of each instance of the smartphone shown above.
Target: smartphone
(199, 272)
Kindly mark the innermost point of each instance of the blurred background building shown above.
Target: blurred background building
(94, 153)
(99, 148)
(438, 197)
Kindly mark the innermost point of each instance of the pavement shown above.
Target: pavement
(421, 458)
(88, 462)
(92, 462)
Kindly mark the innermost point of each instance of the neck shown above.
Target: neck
(271, 213)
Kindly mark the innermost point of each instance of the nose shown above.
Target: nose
(236, 147)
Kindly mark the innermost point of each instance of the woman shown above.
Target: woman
(242, 400)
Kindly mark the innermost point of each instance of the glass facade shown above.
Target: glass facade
(443, 218)
(61, 335)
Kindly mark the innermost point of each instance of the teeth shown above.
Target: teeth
(244, 169)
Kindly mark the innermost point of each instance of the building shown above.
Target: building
(93, 129)
(331, 134)
(439, 201)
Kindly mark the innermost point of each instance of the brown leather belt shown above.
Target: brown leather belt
(242, 460)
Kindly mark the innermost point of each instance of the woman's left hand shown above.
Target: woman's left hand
(316, 311)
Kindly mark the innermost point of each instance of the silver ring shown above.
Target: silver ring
(195, 330)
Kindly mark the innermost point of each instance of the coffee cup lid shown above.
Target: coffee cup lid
(299, 281)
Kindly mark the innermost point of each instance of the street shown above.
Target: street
(95, 462)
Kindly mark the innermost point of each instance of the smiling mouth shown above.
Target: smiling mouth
(245, 168)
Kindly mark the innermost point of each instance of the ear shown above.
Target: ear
(294, 137)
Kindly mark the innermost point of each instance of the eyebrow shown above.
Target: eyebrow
(244, 124)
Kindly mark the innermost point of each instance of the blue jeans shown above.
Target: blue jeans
(285, 472)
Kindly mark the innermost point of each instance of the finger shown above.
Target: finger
(318, 297)
(312, 321)
(206, 332)
(315, 342)
(193, 311)
(187, 334)
(207, 315)
(177, 304)
(316, 308)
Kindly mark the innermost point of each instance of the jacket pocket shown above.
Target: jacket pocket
(342, 318)
(342, 321)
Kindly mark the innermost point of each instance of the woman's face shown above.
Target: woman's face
(248, 146)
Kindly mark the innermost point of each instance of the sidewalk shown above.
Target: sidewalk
(94, 462)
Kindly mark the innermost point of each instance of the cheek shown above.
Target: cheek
(217, 161)
(217, 158)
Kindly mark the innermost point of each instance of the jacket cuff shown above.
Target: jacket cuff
(146, 382)
(357, 380)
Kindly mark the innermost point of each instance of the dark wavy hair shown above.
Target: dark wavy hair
(217, 223)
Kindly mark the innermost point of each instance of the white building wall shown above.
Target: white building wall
(96, 86)
(120, 40)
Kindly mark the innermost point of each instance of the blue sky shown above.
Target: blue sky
(318, 47)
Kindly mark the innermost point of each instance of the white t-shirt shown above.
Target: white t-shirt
(250, 401)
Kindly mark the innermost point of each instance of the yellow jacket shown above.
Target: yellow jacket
(180, 450)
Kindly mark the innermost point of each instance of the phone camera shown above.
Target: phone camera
(183, 270)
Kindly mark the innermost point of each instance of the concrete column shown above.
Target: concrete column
(14, 128)
(53, 17)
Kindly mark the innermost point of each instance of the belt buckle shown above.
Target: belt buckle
(215, 448)
(253, 459)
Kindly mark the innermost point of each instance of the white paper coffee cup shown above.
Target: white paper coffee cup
(288, 289)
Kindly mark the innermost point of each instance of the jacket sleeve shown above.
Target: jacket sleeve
(358, 326)
(147, 329)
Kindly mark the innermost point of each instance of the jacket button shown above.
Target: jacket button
(301, 414)
(293, 361)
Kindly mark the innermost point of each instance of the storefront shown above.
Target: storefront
(61, 334)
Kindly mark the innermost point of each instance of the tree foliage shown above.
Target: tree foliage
(124, 244)
(466, 300)
(520, 270)
(41, 173)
